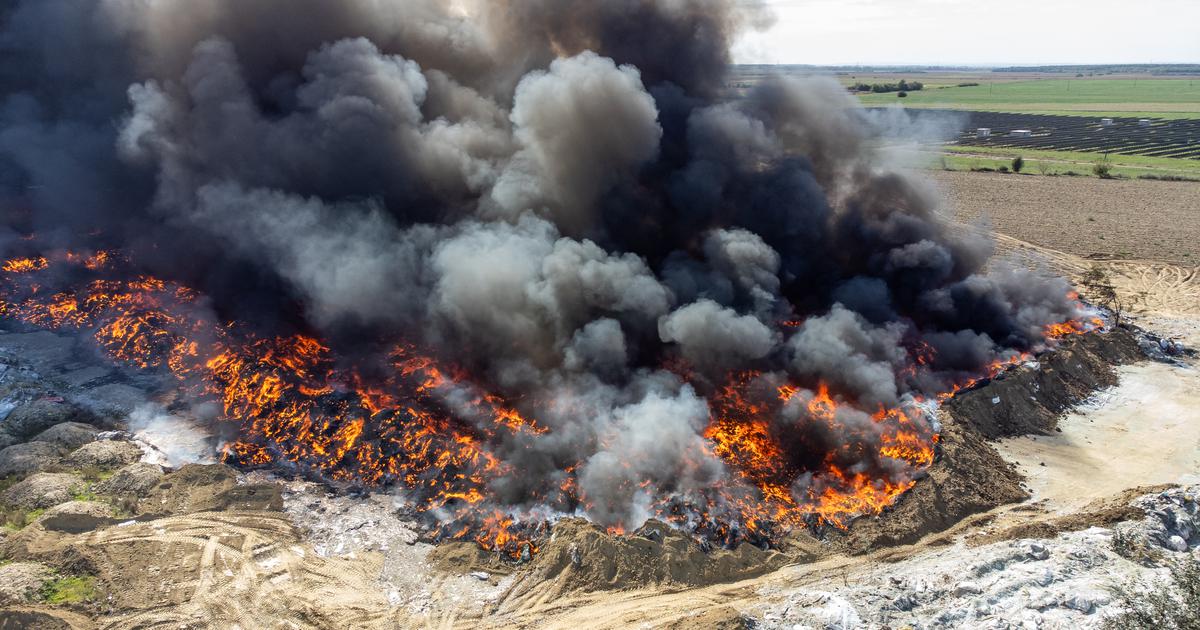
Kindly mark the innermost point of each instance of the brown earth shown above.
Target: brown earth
(1084, 216)
(1099, 513)
(1024, 401)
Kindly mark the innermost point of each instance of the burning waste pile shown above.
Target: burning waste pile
(519, 259)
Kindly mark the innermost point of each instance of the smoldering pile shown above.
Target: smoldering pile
(701, 305)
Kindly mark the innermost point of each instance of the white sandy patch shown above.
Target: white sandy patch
(1144, 431)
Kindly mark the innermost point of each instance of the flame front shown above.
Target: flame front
(427, 427)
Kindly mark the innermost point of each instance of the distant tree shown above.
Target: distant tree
(1018, 163)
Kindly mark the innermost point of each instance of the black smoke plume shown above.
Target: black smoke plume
(559, 196)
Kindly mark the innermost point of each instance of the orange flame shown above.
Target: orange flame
(294, 405)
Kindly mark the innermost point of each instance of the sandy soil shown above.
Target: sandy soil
(1085, 216)
(1145, 431)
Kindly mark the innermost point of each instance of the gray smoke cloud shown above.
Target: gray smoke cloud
(556, 196)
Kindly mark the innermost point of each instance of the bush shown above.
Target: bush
(1018, 163)
(1103, 170)
(1169, 178)
(902, 94)
(69, 590)
(1003, 169)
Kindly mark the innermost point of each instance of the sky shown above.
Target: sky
(976, 32)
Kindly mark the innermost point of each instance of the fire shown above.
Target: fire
(419, 422)
(746, 434)
(1073, 327)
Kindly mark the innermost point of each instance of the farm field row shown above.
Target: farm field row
(1160, 98)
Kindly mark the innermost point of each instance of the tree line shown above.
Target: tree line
(880, 88)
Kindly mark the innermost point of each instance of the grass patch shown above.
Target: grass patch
(94, 474)
(1069, 163)
(1145, 163)
(69, 590)
(85, 494)
(1160, 98)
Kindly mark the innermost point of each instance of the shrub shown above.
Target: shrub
(69, 590)
(1103, 170)
(1002, 169)
(1152, 607)
(1018, 163)
(1169, 178)
(902, 94)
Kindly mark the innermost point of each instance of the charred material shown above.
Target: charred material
(1020, 402)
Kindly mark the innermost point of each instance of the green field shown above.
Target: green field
(1157, 98)
(1062, 163)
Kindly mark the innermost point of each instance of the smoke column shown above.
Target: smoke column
(557, 196)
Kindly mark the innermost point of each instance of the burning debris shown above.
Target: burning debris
(519, 259)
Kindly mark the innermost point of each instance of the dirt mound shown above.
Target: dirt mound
(968, 478)
(105, 454)
(134, 480)
(42, 490)
(24, 459)
(1099, 513)
(580, 557)
(69, 435)
(77, 517)
(35, 619)
(34, 417)
(20, 581)
(208, 488)
(720, 618)
(1026, 400)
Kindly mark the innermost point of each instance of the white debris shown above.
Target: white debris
(481, 575)
(967, 588)
(1062, 582)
